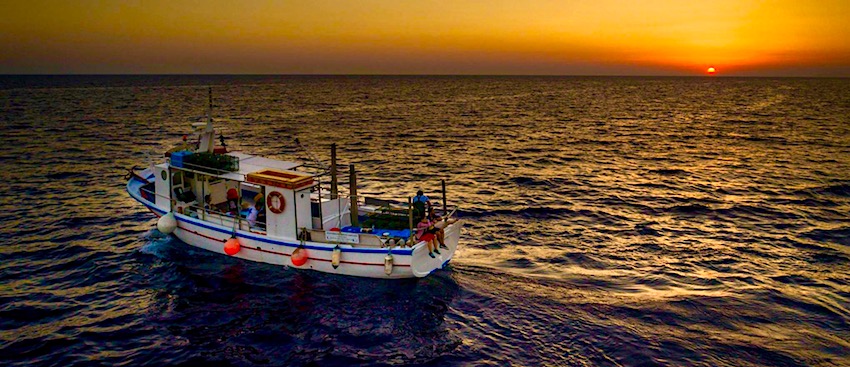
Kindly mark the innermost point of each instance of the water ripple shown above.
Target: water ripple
(608, 222)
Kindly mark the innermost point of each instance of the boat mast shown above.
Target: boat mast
(209, 108)
(352, 189)
(334, 182)
(208, 134)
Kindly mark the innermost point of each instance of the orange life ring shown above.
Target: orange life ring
(281, 203)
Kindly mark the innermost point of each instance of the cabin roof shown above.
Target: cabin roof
(252, 163)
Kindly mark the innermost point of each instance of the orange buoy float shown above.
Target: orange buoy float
(232, 246)
(299, 256)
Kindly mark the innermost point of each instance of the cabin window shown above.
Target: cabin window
(164, 176)
(177, 179)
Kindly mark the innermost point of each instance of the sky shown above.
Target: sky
(480, 37)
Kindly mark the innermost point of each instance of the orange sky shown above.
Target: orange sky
(568, 37)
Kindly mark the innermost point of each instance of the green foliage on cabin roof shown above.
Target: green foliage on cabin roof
(212, 163)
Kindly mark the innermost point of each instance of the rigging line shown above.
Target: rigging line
(311, 155)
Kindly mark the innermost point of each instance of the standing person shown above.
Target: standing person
(232, 201)
(259, 202)
(425, 232)
(208, 203)
(421, 203)
(253, 213)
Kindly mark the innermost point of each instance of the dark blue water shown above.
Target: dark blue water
(609, 222)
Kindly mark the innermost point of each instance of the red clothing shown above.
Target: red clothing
(421, 227)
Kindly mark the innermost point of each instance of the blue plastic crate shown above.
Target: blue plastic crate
(177, 158)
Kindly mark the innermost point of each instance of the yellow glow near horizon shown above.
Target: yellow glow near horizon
(427, 37)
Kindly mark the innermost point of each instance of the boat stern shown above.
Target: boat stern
(423, 264)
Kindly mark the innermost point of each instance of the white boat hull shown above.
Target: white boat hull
(355, 261)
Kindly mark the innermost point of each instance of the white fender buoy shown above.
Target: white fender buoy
(388, 264)
(336, 257)
(167, 223)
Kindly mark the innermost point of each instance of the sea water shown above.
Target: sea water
(608, 221)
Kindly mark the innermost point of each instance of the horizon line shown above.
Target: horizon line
(429, 75)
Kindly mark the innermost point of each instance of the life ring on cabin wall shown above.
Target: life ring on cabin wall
(275, 202)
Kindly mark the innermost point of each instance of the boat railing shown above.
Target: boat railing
(390, 210)
(452, 212)
(224, 219)
(217, 164)
(325, 194)
(358, 239)
(236, 176)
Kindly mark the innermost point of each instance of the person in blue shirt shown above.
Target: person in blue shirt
(421, 203)
(420, 196)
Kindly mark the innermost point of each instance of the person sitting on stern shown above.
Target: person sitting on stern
(440, 224)
(425, 232)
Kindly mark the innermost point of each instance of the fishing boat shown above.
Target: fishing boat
(280, 212)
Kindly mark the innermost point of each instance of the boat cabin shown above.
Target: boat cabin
(227, 194)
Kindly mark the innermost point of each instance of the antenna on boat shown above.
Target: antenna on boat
(209, 109)
(208, 132)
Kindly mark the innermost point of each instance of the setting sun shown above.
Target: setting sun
(711, 70)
